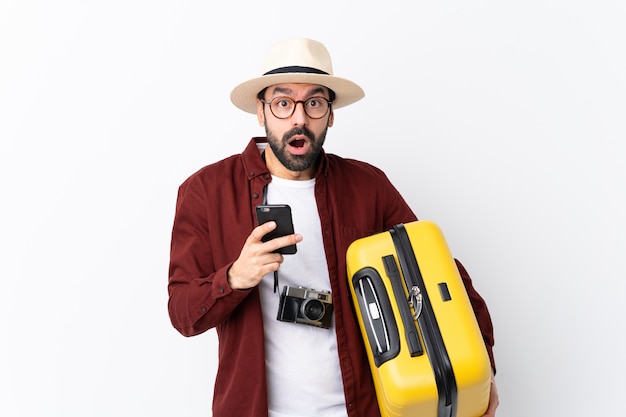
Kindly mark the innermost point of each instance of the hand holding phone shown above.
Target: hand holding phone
(281, 214)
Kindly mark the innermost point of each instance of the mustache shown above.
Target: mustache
(298, 131)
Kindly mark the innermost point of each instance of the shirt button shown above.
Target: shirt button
(203, 309)
(221, 290)
(266, 176)
(251, 174)
(255, 195)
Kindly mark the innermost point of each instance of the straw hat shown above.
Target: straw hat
(296, 61)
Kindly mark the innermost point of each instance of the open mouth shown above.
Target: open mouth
(297, 143)
(299, 146)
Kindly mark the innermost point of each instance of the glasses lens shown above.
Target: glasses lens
(282, 107)
(314, 107)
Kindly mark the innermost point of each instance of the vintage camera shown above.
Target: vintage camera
(306, 306)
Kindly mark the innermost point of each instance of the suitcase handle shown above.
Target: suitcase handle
(410, 329)
(380, 325)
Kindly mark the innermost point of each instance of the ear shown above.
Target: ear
(331, 118)
(260, 115)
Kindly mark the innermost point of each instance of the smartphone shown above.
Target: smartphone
(281, 214)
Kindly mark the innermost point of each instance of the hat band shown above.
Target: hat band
(285, 70)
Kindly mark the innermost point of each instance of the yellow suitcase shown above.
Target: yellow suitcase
(425, 349)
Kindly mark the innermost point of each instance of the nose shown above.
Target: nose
(299, 116)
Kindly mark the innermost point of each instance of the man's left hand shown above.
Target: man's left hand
(493, 400)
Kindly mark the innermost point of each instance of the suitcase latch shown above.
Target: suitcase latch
(415, 299)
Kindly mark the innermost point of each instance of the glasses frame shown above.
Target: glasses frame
(295, 104)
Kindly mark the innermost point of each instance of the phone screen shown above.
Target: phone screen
(281, 214)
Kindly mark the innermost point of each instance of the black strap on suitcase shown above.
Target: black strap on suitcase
(410, 330)
(433, 341)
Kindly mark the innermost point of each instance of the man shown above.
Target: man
(223, 275)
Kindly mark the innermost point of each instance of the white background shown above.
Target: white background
(503, 121)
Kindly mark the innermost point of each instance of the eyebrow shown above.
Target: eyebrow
(283, 90)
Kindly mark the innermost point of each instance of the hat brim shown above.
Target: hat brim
(245, 94)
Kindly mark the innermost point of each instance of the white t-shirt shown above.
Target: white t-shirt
(303, 373)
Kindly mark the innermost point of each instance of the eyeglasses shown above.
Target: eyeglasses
(284, 107)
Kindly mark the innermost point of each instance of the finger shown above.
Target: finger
(260, 231)
(273, 265)
(283, 241)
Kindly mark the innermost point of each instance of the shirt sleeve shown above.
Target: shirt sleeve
(200, 297)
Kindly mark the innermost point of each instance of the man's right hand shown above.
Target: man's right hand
(257, 258)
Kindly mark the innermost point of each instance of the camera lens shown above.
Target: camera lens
(312, 309)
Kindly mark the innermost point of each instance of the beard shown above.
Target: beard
(292, 162)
